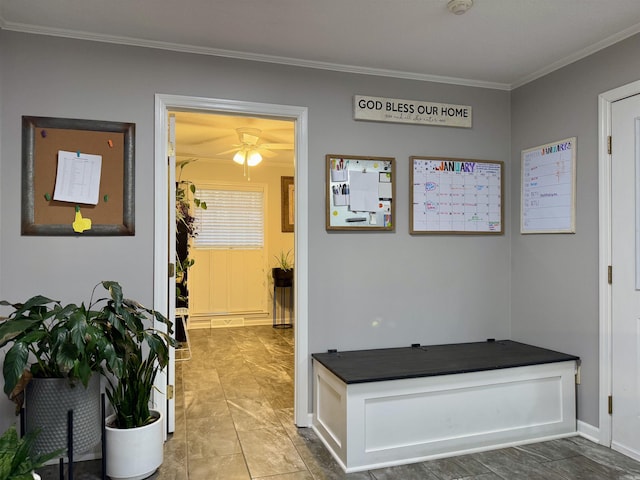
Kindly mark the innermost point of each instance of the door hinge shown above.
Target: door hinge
(170, 392)
(172, 270)
(610, 274)
(610, 405)
(609, 144)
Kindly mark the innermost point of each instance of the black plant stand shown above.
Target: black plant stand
(282, 284)
(103, 473)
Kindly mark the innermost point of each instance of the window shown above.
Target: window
(234, 218)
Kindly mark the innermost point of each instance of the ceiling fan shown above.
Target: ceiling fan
(250, 151)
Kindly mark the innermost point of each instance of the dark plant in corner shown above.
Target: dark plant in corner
(16, 459)
(143, 349)
(186, 202)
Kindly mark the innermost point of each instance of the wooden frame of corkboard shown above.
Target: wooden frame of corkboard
(42, 138)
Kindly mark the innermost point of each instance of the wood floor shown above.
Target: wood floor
(234, 421)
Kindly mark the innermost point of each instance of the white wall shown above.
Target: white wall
(555, 277)
(366, 290)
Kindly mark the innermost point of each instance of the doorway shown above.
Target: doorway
(230, 173)
(162, 280)
(619, 294)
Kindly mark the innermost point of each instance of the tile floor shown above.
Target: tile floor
(234, 421)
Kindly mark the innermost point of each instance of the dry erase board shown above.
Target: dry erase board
(454, 195)
(360, 193)
(548, 203)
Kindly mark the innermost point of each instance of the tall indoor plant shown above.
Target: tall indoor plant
(55, 350)
(186, 203)
(134, 433)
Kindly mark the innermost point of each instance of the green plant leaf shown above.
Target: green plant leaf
(14, 328)
(16, 460)
(15, 363)
(8, 448)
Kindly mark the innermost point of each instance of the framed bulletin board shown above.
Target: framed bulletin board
(548, 203)
(360, 193)
(77, 177)
(455, 195)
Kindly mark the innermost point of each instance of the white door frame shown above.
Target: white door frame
(165, 103)
(604, 288)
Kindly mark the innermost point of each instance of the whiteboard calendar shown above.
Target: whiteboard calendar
(453, 195)
(548, 188)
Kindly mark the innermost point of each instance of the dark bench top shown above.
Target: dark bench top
(361, 366)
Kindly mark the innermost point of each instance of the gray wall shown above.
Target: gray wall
(365, 289)
(555, 277)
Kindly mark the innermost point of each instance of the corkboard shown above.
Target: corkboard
(42, 139)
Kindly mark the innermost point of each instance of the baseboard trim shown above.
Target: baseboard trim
(589, 431)
(196, 323)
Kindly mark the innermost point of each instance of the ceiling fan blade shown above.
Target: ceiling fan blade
(228, 151)
(266, 153)
(277, 146)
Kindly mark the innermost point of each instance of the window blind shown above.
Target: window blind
(234, 218)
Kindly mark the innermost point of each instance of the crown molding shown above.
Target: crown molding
(295, 62)
(579, 55)
(336, 67)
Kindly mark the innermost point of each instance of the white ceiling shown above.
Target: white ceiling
(496, 44)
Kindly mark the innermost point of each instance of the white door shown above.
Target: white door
(625, 287)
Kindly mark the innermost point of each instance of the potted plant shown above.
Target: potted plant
(17, 461)
(134, 433)
(283, 273)
(57, 353)
(186, 202)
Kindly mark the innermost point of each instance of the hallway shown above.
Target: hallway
(235, 397)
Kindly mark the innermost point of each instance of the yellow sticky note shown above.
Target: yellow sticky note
(81, 224)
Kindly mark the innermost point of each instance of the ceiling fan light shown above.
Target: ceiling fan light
(239, 157)
(254, 158)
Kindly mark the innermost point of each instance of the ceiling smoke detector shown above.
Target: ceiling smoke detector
(459, 6)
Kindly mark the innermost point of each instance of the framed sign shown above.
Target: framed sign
(59, 155)
(418, 112)
(548, 203)
(360, 193)
(455, 195)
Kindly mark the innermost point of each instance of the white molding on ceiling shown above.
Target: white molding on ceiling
(580, 54)
(177, 47)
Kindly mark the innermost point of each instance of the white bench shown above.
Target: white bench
(384, 407)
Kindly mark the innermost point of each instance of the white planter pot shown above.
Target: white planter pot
(134, 453)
